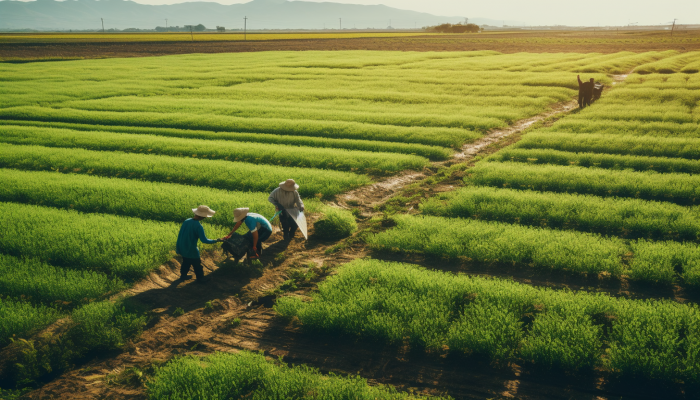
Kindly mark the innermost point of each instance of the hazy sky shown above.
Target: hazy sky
(545, 12)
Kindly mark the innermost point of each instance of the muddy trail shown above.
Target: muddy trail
(189, 318)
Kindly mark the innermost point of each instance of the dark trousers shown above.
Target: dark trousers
(195, 263)
(289, 225)
(263, 235)
(584, 100)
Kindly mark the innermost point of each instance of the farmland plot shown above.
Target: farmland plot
(91, 151)
(129, 145)
(604, 170)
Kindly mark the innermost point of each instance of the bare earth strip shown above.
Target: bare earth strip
(535, 42)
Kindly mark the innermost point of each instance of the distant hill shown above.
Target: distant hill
(262, 14)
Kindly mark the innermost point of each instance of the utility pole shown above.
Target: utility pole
(103, 25)
(245, 28)
(191, 34)
(673, 26)
(340, 21)
(166, 25)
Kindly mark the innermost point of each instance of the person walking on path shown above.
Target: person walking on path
(283, 198)
(259, 228)
(190, 232)
(585, 92)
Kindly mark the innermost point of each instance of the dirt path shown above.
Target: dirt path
(239, 290)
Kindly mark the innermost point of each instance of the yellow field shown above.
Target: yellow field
(197, 36)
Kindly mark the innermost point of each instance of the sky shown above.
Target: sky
(540, 12)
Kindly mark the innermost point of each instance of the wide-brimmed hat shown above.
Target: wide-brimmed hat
(240, 213)
(203, 211)
(289, 185)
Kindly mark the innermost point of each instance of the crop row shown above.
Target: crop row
(446, 137)
(20, 318)
(310, 157)
(167, 202)
(503, 320)
(540, 248)
(122, 247)
(688, 148)
(234, 176)
(41, 283)
(681, 189)
(249, 375)
(430, 152)
(620, 128)
(678, 63)
(627, 218)
(598, 160)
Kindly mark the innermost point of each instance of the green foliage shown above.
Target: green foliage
(233, 176)
(392, 302)
(569, 342)
(498, 242)
(103, 326)
(681, 189)
(127, 248)
(628, 218)
(592, 160)
(335, 224)
(41, 283)
(259, 153)
(486, 329)
(688, 148)
(91, 329)
(235, 323)
(660, 261)
(430, 152)
(250, 375)
(21, 319)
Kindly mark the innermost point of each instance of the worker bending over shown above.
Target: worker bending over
(285, 198)
(259, 228)
(190, 232)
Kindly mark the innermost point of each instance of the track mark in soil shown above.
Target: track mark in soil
(472, 149)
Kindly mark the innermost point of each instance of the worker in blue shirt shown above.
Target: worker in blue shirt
(190, 232)
(259, 228)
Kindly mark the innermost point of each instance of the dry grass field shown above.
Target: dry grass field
(62, 46)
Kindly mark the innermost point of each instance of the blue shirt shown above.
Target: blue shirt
(190, 232)
(255, 221)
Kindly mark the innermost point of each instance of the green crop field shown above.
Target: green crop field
(128, 146)
(101, 160)
(627, 193)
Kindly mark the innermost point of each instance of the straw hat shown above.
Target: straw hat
(203, 211)
(289, 185)
(240, 213)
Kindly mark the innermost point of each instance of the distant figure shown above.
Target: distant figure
(286, 197)
(585, 92)
(190, 232)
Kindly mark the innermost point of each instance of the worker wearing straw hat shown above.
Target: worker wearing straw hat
(283, 198)
(259, 228)
(190, 232)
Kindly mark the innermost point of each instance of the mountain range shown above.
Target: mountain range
(261, 14)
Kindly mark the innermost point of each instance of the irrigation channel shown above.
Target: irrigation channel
(239, 290)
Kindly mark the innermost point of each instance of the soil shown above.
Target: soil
(513, 42)
(202, 323)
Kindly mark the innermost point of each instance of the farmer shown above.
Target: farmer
(259, 228)
(190, 232)
(585, 92)
(283, 198)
